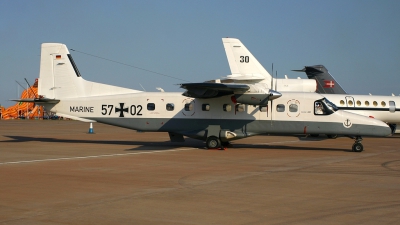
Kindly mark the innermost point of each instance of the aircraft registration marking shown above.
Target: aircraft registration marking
(81, 109)
(133, 110)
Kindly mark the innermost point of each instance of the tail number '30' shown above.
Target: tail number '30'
(133, 109)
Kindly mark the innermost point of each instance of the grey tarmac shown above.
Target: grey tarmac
(54, 172)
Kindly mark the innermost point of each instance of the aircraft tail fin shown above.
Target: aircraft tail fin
(243, 65)
(326, 83)
(60, 78)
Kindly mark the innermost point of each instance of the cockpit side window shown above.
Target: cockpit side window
(324, 107)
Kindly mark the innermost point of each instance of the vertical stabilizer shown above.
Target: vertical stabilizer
(243, 65)
(60, 78)
(326, 83)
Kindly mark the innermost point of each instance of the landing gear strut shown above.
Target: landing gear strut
(357, 146)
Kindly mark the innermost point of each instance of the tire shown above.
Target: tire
(213, 142)
(332, 136)
(357, 147)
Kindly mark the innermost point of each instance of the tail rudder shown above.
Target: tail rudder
(242, 63)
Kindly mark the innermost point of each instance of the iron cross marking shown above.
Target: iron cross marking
(121, 109)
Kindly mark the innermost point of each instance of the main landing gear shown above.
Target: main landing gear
(214, 142)
(357, 146)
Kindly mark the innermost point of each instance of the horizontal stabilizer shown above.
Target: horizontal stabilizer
(37, 100)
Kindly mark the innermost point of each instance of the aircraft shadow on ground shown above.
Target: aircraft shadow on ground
(164, 145)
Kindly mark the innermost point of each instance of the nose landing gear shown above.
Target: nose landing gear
(357, 146)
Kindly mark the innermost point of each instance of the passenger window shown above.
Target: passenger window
(358, 103)
(341, 102)
(205, 107)
(375, 103)
(383, 103)
(366, 103)
(151, 106)
(350, 102)
(293, 108)
(170, 107)
(240, 108)
(280, 108)
(189, 106)
(227, 107)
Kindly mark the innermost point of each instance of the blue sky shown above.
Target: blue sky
(358, 41)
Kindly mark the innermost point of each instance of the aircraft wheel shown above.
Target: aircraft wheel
(332, 136)
(213, 142)
(357, 147)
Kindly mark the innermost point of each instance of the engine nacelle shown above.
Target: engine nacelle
(256, 98)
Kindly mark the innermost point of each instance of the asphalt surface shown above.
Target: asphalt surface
(54, 172)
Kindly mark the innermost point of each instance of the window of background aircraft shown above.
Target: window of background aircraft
(341, 102)
(263, 108)
(383, 103)
(170, 107)
(205, 107)
(280, 108)
(293, 108)
(350, 102)
(240, 108)
(189, 106)
(366, 103)
(375, 103)
(151, 106)
(227, 107)
(358, 103)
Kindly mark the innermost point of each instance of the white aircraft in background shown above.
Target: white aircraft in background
(379, 107)
(213, 112)
(375, 106)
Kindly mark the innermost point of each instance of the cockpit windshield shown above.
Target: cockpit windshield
(324, 107)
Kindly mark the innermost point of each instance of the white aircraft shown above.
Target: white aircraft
(375, 106)
(246, 69)
(378, 107)
(213, 112)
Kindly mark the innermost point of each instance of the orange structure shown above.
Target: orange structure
(24, 109)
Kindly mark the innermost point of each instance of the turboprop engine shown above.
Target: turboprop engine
(256, 95)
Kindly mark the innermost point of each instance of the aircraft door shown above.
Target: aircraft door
(392, 106)
(350, 101)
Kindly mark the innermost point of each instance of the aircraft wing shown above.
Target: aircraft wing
(212, 90)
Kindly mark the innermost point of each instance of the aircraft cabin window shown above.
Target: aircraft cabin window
(240, 108)
(151, 106)
(227, 107)
(350, 102)
(293, 108)
(280, 108)
(341, 102)
(205, 107)
(375, 103)
(358, 103)
(383, 104)
(189, 106)
(263, 108)
(366, 103)
(170, 107)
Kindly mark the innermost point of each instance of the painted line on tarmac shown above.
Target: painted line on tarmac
(95, 156)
